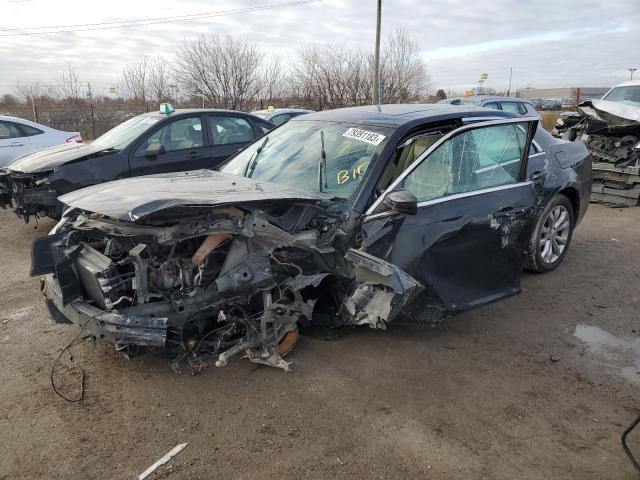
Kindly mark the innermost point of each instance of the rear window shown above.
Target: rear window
(29, 131)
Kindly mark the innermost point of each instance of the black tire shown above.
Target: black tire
(535, 261)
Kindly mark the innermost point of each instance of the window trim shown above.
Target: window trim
(455, 196)
(445, 138)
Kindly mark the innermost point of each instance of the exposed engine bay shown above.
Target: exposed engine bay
(29, 195)
(612, 134)
(224, 281)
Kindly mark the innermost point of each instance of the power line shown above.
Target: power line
(26, 31)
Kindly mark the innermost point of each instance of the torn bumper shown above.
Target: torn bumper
(27, 196)
(5, 189)
(109, 326)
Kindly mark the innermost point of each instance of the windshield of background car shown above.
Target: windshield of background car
(625, 95)
(122, 135)
(292, 155)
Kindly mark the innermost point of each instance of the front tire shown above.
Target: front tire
(552, 236)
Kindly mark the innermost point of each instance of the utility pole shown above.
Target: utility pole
(376, 61)
(93, 118)
(631, 70)
(510, 75)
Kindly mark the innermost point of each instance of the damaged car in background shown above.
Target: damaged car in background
(155, 142)
(359, 216)
(610, 128)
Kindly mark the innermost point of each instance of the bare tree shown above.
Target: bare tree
(333, 76)
(403, 75)
(32, 93)
(137, 81)
(273, 80)
(223, 70)
(160, 79)
(69, 87)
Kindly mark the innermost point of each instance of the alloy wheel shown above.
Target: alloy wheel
(554, 234)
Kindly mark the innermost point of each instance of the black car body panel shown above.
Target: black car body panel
(31, 184)
(48, 159)
(208, 261)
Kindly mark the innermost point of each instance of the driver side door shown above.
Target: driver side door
(467, 238)
(184, 147)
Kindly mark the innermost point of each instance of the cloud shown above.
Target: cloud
(547, 42)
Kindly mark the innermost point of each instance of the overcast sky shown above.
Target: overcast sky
(547, 42)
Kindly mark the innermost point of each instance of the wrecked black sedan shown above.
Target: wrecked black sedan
(347, 217)
(156, 142)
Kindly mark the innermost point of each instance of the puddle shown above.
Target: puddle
(619, 353)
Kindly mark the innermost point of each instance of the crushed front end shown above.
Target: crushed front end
(220, 281)
(612, 135)
(29, 195)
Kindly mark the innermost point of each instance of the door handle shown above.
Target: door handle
(16, 144)
(194, 154)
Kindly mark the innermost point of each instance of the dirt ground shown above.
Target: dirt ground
(535, 387)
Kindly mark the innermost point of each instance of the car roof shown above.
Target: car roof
(494, 98)
(282, 110)
(11, 118)
(183, 111)
(630, 83)
(395, 115)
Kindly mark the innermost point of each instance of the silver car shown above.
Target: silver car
(507, 104)
(19, 137)
(278, 116)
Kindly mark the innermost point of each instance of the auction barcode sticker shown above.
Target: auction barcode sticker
(364, 136)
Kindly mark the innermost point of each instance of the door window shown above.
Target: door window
(472, 160)
(9, 130)
(280, 119)
(493, 105)
(28, 131)
(226, 129)
(514, 107)
(181, 134)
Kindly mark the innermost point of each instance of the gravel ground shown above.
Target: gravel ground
(537, 386)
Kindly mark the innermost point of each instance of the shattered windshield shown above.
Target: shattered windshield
(122, 135)
(625, 95)
(313, 155)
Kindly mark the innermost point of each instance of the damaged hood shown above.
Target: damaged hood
(613, 113)
(50, 158)
(134, 198)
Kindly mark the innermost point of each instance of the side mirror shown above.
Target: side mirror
(153, 150)
(402, 201)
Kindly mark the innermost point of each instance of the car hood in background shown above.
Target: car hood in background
(613, 113)
(50, 158)
(131, 199)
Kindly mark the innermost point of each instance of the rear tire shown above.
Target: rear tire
(551, 238)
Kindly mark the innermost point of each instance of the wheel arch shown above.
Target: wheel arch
(574, 197)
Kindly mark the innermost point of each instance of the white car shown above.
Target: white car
(19, 137)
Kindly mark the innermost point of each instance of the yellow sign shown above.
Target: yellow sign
(484, 76)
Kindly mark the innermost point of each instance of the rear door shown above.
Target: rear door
(228, 133)
(184, 145)
(13, 143)
(476, 211)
